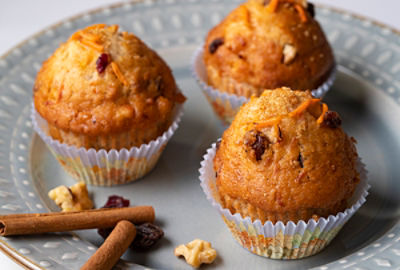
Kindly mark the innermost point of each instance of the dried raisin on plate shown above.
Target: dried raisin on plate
(147, 235)
(115, 201)
(104, 232)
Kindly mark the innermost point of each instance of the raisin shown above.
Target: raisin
(258, 142)
(104, 232)
(300, 160)
(102, 63)
(116, 201)
(214, 45)
(147, 235)
(260, 145)
(266, 2)
(113, 201)
(332, 119)
(311, 9)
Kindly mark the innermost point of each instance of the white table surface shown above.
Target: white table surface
(20, 19)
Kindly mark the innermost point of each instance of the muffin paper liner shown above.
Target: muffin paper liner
(106, 168)
(226, 105)
(279, 240)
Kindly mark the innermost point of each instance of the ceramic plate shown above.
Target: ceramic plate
(366, 93)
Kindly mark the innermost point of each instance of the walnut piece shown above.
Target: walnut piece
(196, 252)
(289, 53)
(74, 198)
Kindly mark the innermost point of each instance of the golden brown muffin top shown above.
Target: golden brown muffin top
(102, 81)
(286, 152)
(265, 45)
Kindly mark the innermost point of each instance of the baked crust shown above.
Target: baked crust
(132, 92)
(254, 49)
(304, 168)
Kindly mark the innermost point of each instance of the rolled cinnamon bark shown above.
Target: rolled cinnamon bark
(22, 224)
(112, 249)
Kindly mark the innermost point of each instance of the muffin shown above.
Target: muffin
(286, 158)
(265, 45)
(106, 90)
(285, 161)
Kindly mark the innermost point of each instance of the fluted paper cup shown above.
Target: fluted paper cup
(279, 240)
(106, 168)
(226, 105)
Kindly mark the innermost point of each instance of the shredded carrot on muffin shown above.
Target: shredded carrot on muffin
(299, 110)
(118, 73)
(273, 5)
(274, 121)
(92, 45)
(76, 36)
(88, 40)
(113, 28)
(89, 36)
(324, 110)
(301, 12)
(277, 132)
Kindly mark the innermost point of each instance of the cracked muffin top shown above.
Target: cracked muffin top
(265, 45)
(285, 157)
(102, 81)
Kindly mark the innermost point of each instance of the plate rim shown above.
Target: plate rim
(24, 261)
(16, 257)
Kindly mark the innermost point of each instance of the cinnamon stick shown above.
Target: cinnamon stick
(22, 224)
(113, 248)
